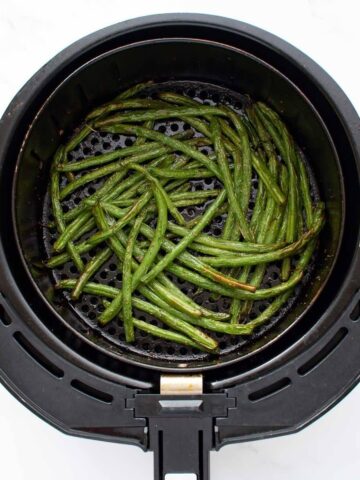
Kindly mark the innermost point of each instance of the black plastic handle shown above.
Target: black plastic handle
(181, 430)
(181, 447)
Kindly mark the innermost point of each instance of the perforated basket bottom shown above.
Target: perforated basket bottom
(88, 307)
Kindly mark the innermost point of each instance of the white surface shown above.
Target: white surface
(31, 32)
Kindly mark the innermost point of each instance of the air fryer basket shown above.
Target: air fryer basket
(209, 60)
(207, 71)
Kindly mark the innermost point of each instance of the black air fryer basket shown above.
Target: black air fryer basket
(172, 400)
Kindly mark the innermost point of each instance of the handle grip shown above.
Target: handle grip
(181, 430)
(181, 447)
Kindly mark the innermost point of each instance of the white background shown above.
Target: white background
(33, 31)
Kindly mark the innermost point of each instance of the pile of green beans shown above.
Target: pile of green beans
(136, 215)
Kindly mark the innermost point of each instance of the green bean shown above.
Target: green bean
(153, 149)
(134, 210)
(173, 298)
(109, 189)
(212, 286)
(203, 322)
(293, 213)
(228, 183)
(260, 167)
(134, 90)
(209, 251)
(77, 138)
(231, 229)
(259, 207)
(241, 141)
(181, 246)
(268, 232)
(124, 105)
(72, 144)
(57, 210)
(157, 237)
(87, 227)
(241, 247)
(194, 333)
(284, 145)
(160, 114)
(169, 298)
(90, 269)
(178, 99)
(62, 258)
(242, 178)
(257, 259)
(199, 280)
(285, 185)
(168, 335)
(226, 245)
(190, 303)
(181, 188)
(130, 186)
(202, 194)
(268, 179)
(191, 261)
(151, 252)
(194, 262)
(111, 292)
(279, 301)
(107, 170)
(168, 141)
(246, 156)
(305, 191)
(70, 231)
(108, 185)
(178, 199)
(170, 205)
(189, 173)
(263, 235)
(141, 140)
(127, 280)
(100, 236)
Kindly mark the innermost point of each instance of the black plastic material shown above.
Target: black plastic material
(84, 390)
(181, 430)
